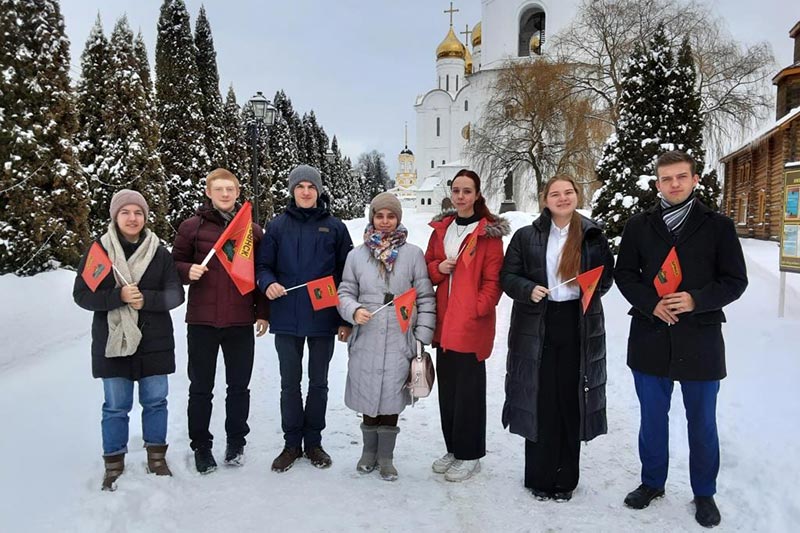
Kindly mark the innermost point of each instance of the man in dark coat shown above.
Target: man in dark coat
(303, 244)
(678, 337)
(218, 316)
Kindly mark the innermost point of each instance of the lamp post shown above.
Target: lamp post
(263, 112)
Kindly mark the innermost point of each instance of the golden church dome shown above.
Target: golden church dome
(476, 35)
(451, 47)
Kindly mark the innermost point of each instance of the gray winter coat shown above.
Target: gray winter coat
(379, 353)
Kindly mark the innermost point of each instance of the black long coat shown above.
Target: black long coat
(714, 273)
(162, 291)
(525, 266)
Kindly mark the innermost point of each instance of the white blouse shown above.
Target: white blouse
(555, 245)
(454, 236)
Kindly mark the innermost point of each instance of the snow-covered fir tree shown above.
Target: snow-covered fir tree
(341, 195)
(313, 153)
(182, 145)
(130, 147)
(43, 195)
(283, 104)
(211, 101)
(140, 50)
(283, 159)
(236, 147)
(90, 102)
(356, 190)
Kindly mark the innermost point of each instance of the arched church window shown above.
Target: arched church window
(443, 161)
(531, 32)
(429, 201)
(456, 82)
(466, 105)
(447, 83)
(438, 127)
(431, 163)
(440, 82)
(422, 201)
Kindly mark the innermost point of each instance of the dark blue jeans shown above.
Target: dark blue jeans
(303, 425)
(700, 401)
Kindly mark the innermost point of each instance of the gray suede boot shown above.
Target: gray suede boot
(369, 455)
(387, 437)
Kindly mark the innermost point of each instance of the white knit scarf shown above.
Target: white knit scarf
(123, 322)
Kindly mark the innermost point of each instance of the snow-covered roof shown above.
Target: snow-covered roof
(764, 132)
(430, 183)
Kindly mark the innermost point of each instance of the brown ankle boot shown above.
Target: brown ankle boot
(115, 465)
(157, 460)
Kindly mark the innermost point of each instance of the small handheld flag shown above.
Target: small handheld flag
(234, 249)
(97, 267)
(404, 308)
(669, 275)
(467, 253)
(322, 292)
(588, 282)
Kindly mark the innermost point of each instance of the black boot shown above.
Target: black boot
(707, 513)
(642, 496)
(204, 460)
(234, 455)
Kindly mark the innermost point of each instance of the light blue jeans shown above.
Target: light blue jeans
(118, 404)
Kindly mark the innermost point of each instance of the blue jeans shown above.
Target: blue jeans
(700, 401)
(118, 403)
(303, 425)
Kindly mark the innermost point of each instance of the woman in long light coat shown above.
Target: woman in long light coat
(376, 272)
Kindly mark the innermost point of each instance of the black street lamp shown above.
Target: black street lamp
(263, 112)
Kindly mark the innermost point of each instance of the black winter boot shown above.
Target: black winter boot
(707, 513)
(642, 496)
(234, 455)
(387, 438)
(204, 460)
(115, 465)
(369, 454)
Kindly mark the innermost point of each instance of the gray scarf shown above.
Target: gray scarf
(123, 322)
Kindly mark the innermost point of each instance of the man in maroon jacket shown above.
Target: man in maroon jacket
(217, 316)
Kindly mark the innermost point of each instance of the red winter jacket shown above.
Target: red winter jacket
(468, 325)
(213, 299)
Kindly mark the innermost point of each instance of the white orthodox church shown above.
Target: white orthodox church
(509, 30)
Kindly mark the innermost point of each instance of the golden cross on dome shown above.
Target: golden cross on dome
(451, 11)
(467, 33)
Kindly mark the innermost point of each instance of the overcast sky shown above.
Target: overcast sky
(358, 63)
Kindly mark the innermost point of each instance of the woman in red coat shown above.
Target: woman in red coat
(464, 257)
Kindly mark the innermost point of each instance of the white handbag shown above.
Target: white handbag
(421, 375)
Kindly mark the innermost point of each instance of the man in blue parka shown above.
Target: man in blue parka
(303, 244)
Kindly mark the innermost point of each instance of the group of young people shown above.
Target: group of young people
(556, 359)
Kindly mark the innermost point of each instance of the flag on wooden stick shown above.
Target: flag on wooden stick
(404, 308)
(97, 267)
(588, 282)
(323, 293)
(669, 275)
(234, 249)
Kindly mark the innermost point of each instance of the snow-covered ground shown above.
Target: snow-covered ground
(50, 446)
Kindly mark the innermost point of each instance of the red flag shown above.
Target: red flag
(97, 267)
(588, 282)
(323, 293)
(468, 253)
(670, 275)
(404, 308)
(234, 249)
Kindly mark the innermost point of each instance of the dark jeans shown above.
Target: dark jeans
(303, 425)
(700, 401)
(238, 346)
(552, 463)
(462, 403)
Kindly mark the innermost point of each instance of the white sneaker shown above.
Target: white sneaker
(441, 464)
(462, 470)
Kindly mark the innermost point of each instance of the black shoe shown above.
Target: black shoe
(707, 513)
(642, 496)
(562, 495)
(234, 455)
(204, 460)
(318, 457)
(541, 495)
(286, 459)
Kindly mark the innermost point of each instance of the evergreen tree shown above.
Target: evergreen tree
(283, 105)
(236, 147)
(373, 173)
(43, 195)
(130, 148)
(90, 103)
(283, 159)
(140, 51)
(341, 194)
(211, 100)
(182, 145)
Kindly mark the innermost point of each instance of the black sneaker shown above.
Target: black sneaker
(286, 459)
(318, 457)
(204, 460)
(541, 495)
(562, 495)
(642, 496)
(707, 513)
(234, 455)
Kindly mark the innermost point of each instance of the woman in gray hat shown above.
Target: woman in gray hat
(132, 336)
(384, 267)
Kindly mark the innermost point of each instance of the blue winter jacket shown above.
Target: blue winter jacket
(302, 245)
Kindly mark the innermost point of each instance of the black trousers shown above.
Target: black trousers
(238, 347)
(552, 462)
(462, 403)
